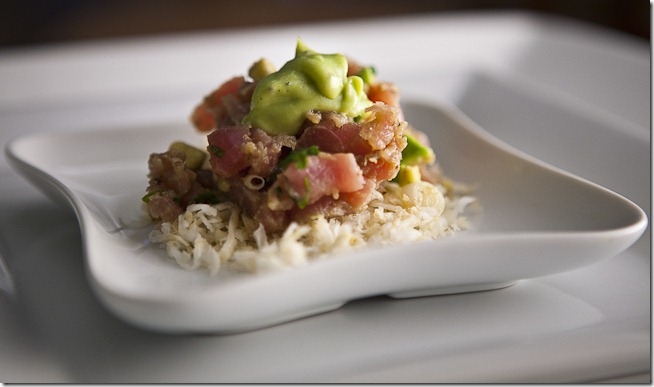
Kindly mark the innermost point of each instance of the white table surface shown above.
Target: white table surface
(571, 94)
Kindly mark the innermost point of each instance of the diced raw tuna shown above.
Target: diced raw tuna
(226, 150)
(234, 149)
(324, 175)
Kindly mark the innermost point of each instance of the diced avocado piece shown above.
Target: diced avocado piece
(261, 68)
(415, 153)
(408, 174)
(194, 156)
(368, 75)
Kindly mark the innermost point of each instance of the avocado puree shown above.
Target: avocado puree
(311, 81)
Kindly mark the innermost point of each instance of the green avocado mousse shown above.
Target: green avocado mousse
(309, 82)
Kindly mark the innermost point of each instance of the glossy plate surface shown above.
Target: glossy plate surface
(536, 220)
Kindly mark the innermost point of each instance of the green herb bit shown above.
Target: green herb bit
(302, 203)
(216, 150)
(146, 198)
(299, 157)
(207, 197)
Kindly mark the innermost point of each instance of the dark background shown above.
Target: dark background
(33, 22)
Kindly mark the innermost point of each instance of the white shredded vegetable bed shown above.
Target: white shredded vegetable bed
(219, 236)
